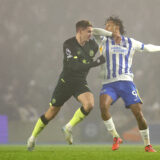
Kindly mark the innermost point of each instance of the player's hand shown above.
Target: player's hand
(117, 37)
(101, 59)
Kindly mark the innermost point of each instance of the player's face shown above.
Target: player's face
(86, 33)
(112, 27)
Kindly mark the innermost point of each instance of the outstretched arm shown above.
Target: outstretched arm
(141, 47)
(151, 48)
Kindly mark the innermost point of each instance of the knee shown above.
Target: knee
(105, 111)
(51, 112)
(88, 106)
(104, 106)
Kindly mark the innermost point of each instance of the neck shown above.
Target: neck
(80, 40)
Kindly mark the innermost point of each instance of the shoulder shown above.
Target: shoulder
(128, 40)
(135, 42)
(93, 43)
(69, 41)
(69, 46)
(137, 45)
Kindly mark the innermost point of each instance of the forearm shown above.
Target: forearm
(151, 48)
(77, 66)
(97, 32)
(101, 32)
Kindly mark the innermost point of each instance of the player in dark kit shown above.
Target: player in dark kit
(79, 52)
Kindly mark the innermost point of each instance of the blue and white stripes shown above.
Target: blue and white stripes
(127, 56)
(108, 59)
(119, 59)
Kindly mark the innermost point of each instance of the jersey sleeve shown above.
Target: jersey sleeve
(137, 45)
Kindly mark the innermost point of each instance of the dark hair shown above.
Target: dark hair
(83, 24)
(117, 21)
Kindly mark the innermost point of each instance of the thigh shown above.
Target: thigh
(80, 88)
(83, 94)
(136, 108)
(129, 94)
(61, 94)
(105, 101)
(110, 92)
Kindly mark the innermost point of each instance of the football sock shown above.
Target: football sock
(111, 127)
(78, 117)
(38, 128)
(145, 136)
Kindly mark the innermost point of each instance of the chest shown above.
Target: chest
(124, 48)
(86, 52)
(116, 49)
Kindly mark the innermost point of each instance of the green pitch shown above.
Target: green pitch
(77, 152)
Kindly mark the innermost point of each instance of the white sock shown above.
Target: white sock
(111, 127)
(145, 136)
(32, 138)
(69, 126)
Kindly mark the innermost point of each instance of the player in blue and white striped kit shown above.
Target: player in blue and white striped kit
(117, 77)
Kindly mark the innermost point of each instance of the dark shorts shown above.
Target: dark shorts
(64, 90)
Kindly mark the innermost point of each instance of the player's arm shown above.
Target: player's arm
(101, 32)
(73, 63)
(151, 48)
(97, 32)
(139, 46)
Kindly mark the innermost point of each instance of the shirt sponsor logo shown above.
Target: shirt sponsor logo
(117, 49)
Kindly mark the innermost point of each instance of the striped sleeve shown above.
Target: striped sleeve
(138, 46)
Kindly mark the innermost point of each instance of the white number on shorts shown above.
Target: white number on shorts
(135, 93)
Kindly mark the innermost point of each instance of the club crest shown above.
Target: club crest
(91, 53)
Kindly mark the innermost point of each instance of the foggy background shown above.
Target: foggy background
(32, 33)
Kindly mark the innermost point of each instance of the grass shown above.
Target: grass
(77, 152)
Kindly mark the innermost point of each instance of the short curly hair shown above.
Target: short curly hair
(117, 21)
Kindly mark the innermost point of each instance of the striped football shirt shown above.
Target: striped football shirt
(118, 58)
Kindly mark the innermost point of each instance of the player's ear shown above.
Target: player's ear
(80, 30)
